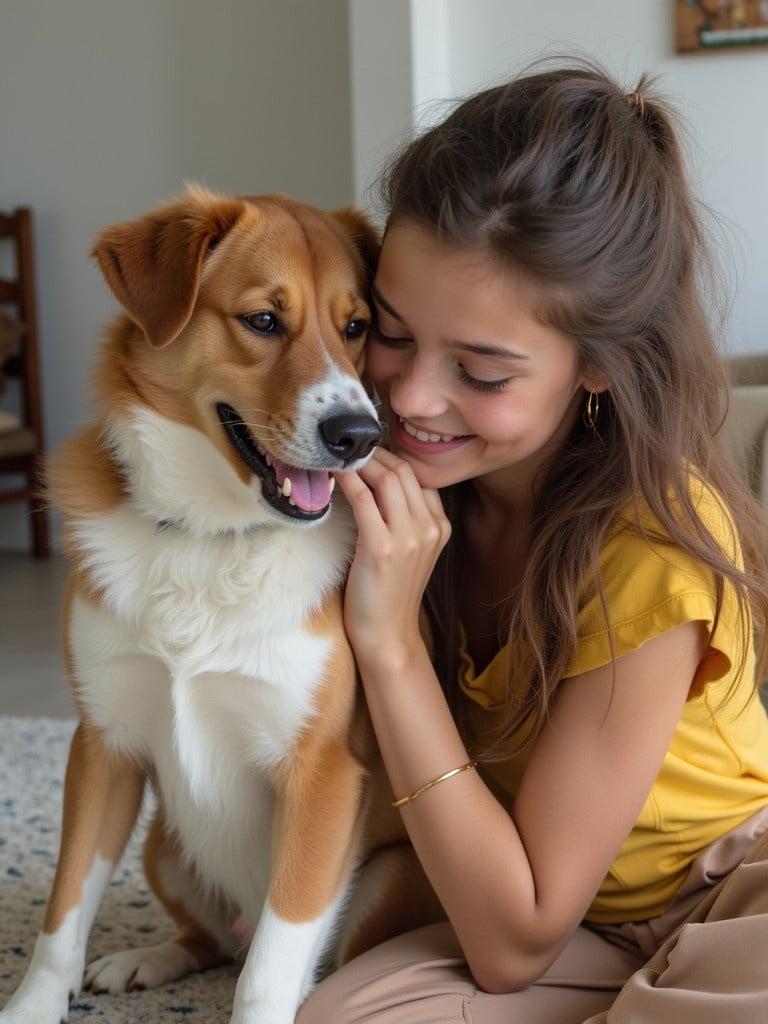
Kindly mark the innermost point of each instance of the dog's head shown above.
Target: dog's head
(248, 317)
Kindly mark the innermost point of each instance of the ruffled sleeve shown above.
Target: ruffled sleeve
(651, 586)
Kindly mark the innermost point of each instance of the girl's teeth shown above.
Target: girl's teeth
(422, 436)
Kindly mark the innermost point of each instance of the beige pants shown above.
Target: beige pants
(703, 961)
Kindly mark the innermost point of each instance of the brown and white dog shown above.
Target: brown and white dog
(203, 624)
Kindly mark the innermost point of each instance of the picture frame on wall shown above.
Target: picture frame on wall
(707, 25)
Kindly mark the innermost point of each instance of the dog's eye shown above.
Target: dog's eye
(262, 322)
(355, 328)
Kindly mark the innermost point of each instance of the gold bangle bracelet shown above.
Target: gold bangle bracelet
(434, 782)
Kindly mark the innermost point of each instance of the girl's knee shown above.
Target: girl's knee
(325, 1004)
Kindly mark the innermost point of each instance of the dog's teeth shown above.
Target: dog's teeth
(291, 501)
(333, 483)
(287, 487)
(270, 460)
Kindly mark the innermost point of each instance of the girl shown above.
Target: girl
(583, 767)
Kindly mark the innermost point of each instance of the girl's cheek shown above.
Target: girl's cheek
(499, 422)
(378, 363)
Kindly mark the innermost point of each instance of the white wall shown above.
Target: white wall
(400, 58)
(107, 107)
(381, 86)
(459, 46)
(722, 96)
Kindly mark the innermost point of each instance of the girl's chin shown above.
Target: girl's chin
(428, 476)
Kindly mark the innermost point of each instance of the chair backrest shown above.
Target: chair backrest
(16, 228)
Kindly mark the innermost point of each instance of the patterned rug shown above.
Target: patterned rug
(33, 755)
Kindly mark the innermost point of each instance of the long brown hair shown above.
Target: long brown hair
(567, 179)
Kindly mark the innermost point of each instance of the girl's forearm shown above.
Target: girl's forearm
(466, 841)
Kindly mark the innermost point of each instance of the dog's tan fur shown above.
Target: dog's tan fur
(185, 271)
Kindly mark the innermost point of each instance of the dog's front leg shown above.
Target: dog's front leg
(315, 835)
(102, 797)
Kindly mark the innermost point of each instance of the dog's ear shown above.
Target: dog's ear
(365, 237)
(153, 264)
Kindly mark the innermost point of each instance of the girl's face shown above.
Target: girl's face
(439, 311)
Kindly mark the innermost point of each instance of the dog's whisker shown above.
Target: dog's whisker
(263, 427)
(260, 408)
(273, 434)
(254, 408)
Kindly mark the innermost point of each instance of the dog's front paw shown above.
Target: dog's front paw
(254, 1013)
(261, 1011)
(133, 969)
(52, 981)
(42, 998)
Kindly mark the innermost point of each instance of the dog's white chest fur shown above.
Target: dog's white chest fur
(198, 662)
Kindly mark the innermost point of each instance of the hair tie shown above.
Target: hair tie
(636, 100)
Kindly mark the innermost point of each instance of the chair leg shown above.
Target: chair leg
(39, 524)
(38, 516)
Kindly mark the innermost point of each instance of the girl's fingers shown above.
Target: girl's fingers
(415, 495)
(385, 495)
(420, 499)
(435, 503)
(363, 504)
(387, 487)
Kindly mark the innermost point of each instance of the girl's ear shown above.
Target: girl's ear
(364, 235)
(153, 264)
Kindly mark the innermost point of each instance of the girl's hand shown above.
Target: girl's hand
(402, 530)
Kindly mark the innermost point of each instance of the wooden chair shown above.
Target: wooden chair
(21, 450)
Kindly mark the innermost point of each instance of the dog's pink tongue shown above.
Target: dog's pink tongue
(310, 488)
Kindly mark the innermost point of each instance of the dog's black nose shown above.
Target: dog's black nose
(350, 436)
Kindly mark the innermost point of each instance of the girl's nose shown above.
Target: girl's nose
(416, 392)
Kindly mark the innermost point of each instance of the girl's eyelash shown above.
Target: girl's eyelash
(473, 382)
(482, 385)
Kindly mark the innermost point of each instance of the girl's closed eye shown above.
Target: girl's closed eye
(483, 385)
(376, 334)
(375, 331)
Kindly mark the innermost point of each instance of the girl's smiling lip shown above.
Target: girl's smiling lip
(413, 444)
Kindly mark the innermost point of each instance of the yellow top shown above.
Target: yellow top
(715, 772)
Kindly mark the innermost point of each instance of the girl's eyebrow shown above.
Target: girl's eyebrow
(384, 304)
(465, 346)
(487, 350)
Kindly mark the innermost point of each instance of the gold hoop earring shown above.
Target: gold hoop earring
(590, 414)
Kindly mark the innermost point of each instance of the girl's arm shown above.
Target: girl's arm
(516, 887)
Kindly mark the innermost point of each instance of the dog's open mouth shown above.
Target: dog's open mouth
(299, 493)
